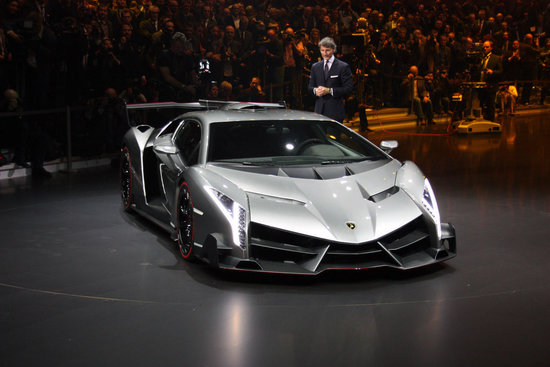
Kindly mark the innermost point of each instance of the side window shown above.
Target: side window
(188, 141)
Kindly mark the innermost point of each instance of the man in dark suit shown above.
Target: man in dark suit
(491, 70)
(330, 81)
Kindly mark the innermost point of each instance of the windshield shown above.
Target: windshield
(288, 143)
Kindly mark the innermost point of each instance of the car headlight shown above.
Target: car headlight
(430, 204)
(410, 178)
(235, 215)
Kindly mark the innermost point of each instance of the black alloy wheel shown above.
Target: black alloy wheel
(185, 222)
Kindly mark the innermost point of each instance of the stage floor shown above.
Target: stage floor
(84, 284)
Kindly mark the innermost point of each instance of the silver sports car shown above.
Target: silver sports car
(258, 187)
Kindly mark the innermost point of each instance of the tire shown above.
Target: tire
(185, 222)
(126, 179)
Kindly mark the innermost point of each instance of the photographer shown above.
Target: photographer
(507, 95)
(231, 56)
(105, 66)
(513, 62)
(275, 75)
(107, 124)
(293, 63)
(473, 58)
(254, 93)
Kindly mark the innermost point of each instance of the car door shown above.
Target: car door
(176, 152)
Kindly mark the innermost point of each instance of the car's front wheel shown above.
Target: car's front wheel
(185, 222)
(126, 179)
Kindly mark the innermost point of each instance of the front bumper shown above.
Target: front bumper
(275, 252)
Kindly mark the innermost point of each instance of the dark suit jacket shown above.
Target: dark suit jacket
(494, 63)
(340, 80)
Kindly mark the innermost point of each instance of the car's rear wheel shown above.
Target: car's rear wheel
(185, 222)
(126, 179)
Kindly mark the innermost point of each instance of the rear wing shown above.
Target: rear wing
(236, 105)
(182, 107)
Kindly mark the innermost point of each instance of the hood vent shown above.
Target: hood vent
(384, 194)
(316, 173)
(377, 197)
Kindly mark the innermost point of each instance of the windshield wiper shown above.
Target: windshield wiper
(258, 163)
(341, 161)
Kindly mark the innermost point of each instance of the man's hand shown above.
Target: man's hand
(321, 91)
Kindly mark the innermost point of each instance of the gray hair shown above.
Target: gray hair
(328, 43)
(178, 36)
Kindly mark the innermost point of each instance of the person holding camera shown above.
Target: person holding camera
(507, 96)
(513, 62)
(254, 92)
(293, 64)
(275, 74)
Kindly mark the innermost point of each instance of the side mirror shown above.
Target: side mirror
(164, 145)
(388, 145)
(165, 149)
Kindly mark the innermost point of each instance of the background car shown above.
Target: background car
(256, 186)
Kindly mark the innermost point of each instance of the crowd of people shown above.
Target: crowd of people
(69, 52)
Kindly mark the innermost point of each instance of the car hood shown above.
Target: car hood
(353, 208)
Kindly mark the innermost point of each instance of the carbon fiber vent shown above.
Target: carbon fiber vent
(402, 248)
(384, 194)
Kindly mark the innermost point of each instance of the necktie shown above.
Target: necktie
(326, 69)
(484, 67)
(485, 61)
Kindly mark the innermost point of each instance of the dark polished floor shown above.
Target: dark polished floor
(84, 284)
